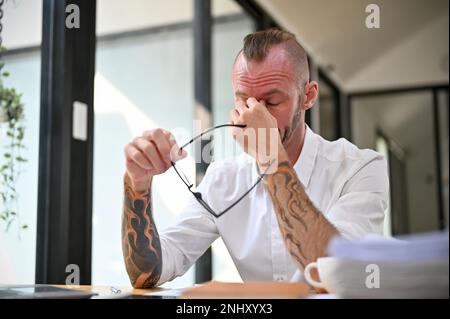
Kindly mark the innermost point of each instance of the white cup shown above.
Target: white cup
(326, 267)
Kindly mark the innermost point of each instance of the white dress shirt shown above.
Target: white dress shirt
(348, 185)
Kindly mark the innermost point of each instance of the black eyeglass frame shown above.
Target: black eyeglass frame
(198, 195)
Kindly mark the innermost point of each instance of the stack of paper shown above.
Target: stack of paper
(378, 267)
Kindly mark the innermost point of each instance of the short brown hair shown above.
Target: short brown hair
(257, 45)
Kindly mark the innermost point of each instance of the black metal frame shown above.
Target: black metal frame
(65, 164)
(438, 156)
(202, 28)
(262, 20)
(323, 77)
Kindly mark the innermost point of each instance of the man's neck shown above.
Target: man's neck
(294, 146)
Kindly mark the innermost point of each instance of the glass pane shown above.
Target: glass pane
(407, 119)
(21, 35)
(144, 80)
(231, 24)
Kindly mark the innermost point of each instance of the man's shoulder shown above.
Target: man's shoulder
(344, 151)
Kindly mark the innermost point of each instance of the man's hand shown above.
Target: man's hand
(149, 155)
(260, 138)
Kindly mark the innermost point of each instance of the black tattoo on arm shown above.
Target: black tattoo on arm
(305, 230)
(140, 240)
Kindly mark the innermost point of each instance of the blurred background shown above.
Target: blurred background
(141, 64)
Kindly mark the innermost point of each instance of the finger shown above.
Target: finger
(234, 115)
(162, 143)
(150, 150)
(241, 107)
(144, 146)
(242, 104)
(160, 139)
(135, 155)
(235, 120)
(252, 102)
(176, 153)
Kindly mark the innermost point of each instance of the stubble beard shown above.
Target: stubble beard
(290, 130)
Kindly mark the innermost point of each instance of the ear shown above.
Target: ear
(311, 94)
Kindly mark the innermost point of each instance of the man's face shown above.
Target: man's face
(273, 81)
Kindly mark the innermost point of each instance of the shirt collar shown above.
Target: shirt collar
(305, 163)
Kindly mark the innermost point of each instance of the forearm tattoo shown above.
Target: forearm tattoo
(305, 230)
(140, 240)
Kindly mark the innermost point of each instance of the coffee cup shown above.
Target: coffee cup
(326, 269)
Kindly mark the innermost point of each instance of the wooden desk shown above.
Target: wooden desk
(108, 291)
(221, 290)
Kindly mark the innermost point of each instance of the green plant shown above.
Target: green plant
(12, 132)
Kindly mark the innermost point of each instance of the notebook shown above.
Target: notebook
(42, 292)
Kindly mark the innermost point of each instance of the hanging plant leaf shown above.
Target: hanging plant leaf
(21, 159)
(11, 116)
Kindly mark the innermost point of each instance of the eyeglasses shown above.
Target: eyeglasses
(198, 195)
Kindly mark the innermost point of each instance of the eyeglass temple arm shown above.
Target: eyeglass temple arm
(246, 193)
(209, 130)
(188, 184)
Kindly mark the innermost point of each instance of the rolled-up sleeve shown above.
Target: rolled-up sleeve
(360, 208)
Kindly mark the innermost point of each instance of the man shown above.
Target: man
(319, 189)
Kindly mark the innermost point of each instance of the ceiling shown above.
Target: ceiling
(335, 34)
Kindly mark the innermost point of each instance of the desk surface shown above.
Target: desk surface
(112, 291)
(118, 291)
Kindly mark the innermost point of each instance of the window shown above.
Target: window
(406, 118)
(231, 24)
(21, 35)
(144, 80)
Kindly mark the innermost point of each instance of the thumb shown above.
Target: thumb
(177, 153)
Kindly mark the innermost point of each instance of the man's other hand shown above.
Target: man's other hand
(149, 155)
